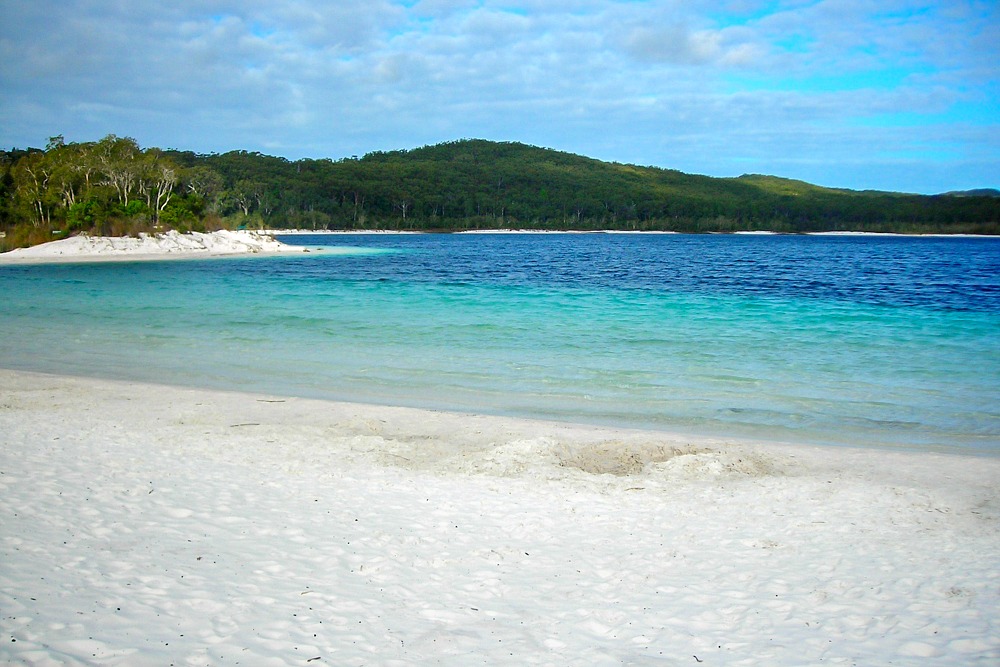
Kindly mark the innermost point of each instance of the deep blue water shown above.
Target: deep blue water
(885, 341)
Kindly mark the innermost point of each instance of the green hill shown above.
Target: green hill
(979, 192)
(467, 184)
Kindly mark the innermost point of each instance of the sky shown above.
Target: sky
(890, 95)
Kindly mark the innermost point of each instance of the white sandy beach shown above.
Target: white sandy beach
(150, 525)
(168, 245)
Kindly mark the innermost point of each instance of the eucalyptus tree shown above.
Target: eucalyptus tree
(33, 196)
(118, 159)
(157, 178)
(204, 183)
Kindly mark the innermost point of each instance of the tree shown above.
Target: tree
(65, 179)
(246, 194)
(204, 183)
(157, 179)
(119, 164)
(31, 175)
(112, 184)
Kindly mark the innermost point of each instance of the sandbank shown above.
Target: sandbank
(154, 525)
(145, 247)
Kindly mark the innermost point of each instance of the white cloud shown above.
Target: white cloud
(696, 85)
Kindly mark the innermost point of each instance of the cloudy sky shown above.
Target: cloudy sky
(889, 94)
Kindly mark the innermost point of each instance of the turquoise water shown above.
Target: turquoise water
(878, 341)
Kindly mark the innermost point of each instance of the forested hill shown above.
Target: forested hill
(113, 186)
(483, 184)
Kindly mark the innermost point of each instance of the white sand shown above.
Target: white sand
(170, 244)
(148, 525)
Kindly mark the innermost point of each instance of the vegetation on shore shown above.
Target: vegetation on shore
(114, 187)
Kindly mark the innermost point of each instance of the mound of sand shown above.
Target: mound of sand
(167, 244)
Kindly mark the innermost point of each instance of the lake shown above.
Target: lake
(838, 340)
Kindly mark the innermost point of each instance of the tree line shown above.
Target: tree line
(114, 187)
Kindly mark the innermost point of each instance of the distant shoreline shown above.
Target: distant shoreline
(226, 244)
(383, 232)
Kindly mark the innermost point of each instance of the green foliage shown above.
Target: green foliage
(475, 184)
(83, 215)
(135, 208)
(114, 186)
(180, 212)
(109, 187)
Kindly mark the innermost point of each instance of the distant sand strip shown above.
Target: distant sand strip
(151, 525)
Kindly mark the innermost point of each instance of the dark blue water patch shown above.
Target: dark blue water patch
(930, 272)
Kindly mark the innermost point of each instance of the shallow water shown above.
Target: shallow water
(886, 341)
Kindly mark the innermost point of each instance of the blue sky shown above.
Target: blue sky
(891, 95)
